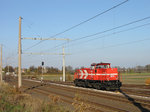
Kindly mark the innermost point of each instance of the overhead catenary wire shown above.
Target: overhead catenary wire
(115, 45)
(30, 29)
(113, 28)
(35, 60)
(114, 33)
(80, 23)
(107, 30)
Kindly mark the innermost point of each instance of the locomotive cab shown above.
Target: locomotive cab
(93, 66)
(102, 65)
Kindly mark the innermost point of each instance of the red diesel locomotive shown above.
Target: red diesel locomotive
(99, 76)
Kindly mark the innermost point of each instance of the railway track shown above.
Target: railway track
(35, 88)
(140, 90)
(95, 106)
(98, 101)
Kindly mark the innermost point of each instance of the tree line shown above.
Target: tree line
(69, 69)
(137, 69)
(38, 70)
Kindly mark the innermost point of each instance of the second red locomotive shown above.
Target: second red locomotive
(99, 76)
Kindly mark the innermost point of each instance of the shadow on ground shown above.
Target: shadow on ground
(138, 105)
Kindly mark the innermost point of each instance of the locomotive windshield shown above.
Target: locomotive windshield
(103, 66)
(100, 65)
(92, 67)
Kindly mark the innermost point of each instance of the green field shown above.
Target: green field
(53, 77)
(56, 77)
(126, 78)
(134, 78)
(12, 100)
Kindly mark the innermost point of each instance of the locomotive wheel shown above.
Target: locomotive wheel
(108, 88)
(85, 84)
(76, 83)
(98, 86)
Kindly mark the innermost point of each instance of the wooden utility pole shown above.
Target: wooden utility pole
(1, 67)
(64, 76)
(19, 56)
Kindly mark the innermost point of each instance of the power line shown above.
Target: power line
(30, 38)
(81, 23)
(37, 60)
(116, 45)
(133, 28)
(136, 41)
(46, 53)
(29, 26)
(111, 29)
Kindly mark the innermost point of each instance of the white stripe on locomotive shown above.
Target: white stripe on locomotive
(86, 74)
(81, 74)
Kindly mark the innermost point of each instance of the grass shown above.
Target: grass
(53, 77)
(135, 78)
(80, 104)
(147, 82)
(127, 78)
(56, 77)
(133, 74)
(13, 101)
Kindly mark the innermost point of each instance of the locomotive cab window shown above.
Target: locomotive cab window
(107, 66)
(102, 66)
(92, 67)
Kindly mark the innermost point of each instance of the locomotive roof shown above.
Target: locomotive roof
(103, 64)
(93, 64)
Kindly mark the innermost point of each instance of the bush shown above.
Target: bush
(80, 104)
(69, 78)
(147, 82)
(13, 101)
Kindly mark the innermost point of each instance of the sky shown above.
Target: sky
(127, 46)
